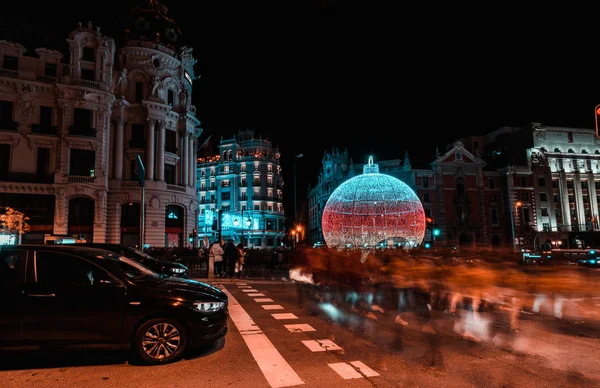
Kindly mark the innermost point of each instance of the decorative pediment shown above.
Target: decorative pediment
(459, 155)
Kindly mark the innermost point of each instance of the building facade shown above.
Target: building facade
(240, 192)
(72, 128)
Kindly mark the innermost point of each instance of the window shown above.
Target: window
(225, 196)
(138, 134)
(43, 162)
(543, 197)
(6, 112)
(226, 208)
(425, 181)
(542, 182)
(493, 198)
(555, 199)
(171, 141)
(45, 116)
(526, 215)
(170, 173)
(584, 185)
(88, 75)
(269, 168)
(570, 137)
(243, 181)
(545, 212)
(50, 69)
(59, 270)
(569, 184)
(11, 63)
(525, 196)
(494, 216)
(82, 162)
(170, 97)
(82, 118)
(243, 167)
(88, 54)
(491, 183)
(427, 212)
(426, 197)
(555, 184)
(256, 182)
(4, 159)
(457, 156)
(139, 91)
(523, 182)
(9, 263)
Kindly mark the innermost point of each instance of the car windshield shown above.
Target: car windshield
(134, 270)
(141, 255)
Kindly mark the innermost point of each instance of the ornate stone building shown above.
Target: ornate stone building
(71, 130)
(245, 183)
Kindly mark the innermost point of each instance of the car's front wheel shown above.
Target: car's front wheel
(160, 341)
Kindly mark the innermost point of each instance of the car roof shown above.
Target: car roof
(72, 249)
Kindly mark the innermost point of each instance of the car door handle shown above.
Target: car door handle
(43, 295)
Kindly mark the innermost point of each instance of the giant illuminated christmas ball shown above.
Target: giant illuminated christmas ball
(372, 209)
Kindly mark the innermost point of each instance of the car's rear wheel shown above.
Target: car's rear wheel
(160, 341)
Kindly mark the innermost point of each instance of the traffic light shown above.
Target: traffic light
(191, 238)
(597, 117)
(427, 245)
(436, 231)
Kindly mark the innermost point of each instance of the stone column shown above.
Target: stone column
(185, 164)
(150, 151)
(160, 162)
(120, 122)
(192, 164)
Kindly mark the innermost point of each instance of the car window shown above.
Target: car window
(9, 264)
(134, 270)
(58, 269)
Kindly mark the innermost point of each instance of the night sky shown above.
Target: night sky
(315, 74)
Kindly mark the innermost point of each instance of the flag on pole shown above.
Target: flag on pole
(206, 148)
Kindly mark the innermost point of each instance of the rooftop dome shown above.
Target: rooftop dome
(372, 209)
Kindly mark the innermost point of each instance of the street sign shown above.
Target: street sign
(141, 171)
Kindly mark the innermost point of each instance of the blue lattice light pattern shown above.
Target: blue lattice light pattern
(371, 208)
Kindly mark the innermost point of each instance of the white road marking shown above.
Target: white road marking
(365, 370)
(299, 328)
(272, 307)
(257, 294)
(245, 287)
(273, 366)
(346, 371)
(263, 300)
(284, 316)
(321, 345)
(250, 290)
(242, 284)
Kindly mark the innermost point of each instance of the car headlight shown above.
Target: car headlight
(177, 270)
(209, 307)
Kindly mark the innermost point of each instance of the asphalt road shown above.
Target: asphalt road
(260, 351)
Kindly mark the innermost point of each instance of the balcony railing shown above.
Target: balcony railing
(80, 179)
(26, 177)
(45, 78)
(130, 184)
(9, 73)
(85, 83)
(181, 189)
(42, 129)
(79, 131)
(9, 126)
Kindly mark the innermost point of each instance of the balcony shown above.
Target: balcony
(43, 129)
(26, 177)
(79, 131)
(9, 126)
(171, 149)
(181, 189)
(80, 179)
(45, 79)
(85, 83)
(9, 73)
(130, 184)
(137, 144)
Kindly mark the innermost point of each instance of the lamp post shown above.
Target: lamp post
(518, 205)
(296, 156)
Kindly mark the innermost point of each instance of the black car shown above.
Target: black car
(164, 267)
(72, 296)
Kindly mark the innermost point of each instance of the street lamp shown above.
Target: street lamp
(296, 156)
(518, 204)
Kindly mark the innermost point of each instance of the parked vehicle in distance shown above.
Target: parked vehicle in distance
(164, 267)
(75, 296)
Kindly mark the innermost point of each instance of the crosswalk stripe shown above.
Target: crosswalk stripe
(272, 307)
(263, 300)
(322, 345)
(257, 294)
(284, 316)
(346, 371)
(299, 328)
(272, 364)
(250, 290)
(365, 370)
